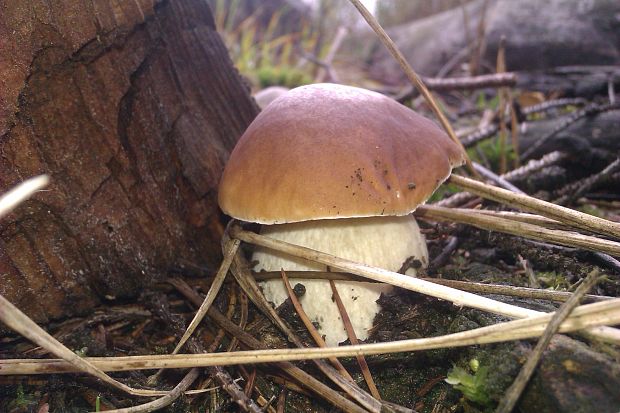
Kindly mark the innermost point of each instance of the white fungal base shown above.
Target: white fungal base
(384, 242)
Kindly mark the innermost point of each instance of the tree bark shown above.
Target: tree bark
(132, 108)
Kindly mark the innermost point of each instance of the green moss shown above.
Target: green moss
(22, 399)
(553, 281)
(281, 76)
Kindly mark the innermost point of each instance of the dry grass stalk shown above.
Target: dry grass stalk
(165, 400)
(410, 283)
(568, 216)
(249, 341)
(533, 219)
(504, 97)
(20, 193)
(240, 269)
(512, 291)
(494, 222)
(585, 316)
(472, 287)
(15, 319)
(509, 400)
(310, 327)
(385, 276)
(412, 76)
(230, 251)
(353, 339)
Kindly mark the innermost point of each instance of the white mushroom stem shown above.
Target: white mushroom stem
(384, 242)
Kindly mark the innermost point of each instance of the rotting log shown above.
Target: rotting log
(132, 108)
(580, 81)
(588, 138)
(539, 36)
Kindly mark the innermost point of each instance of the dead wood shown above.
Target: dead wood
(588, 135)
(580, 35)
(579, 81)
(132, 111)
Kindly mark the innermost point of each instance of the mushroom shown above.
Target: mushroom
(338, 169)
(266, 96)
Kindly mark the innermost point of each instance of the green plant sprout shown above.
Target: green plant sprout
(490, 152)
(473, 386)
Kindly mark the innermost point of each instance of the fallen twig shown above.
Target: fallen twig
(412, 76)
(568, 216)
(163, 401)
(497, 179)
(579, 188)
(310, 327)
(301, 376)
(229, 252)
(470, 286)
(444, 256)
(353, 339)
(584, 316)
(532, 166)
(497, 222)
(479, 135)
(403, 281)
(471, 82)
(461, 83)
(326, 70)
(552, 104)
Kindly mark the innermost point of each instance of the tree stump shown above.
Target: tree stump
(132, 108)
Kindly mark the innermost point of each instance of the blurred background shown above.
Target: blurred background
(286, 42)
(549, 50)
(294, 42)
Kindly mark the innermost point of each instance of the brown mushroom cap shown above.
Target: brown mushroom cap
(330, 151)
